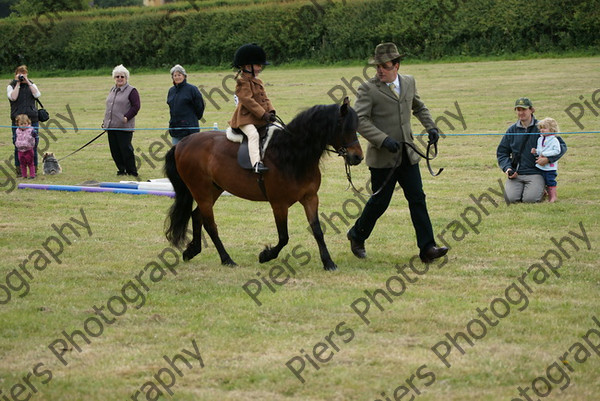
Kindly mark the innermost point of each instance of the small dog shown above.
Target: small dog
(51, 165)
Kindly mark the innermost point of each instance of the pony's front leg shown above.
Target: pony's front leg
(281, 216)
(311, 208)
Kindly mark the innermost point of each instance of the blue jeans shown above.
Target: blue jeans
(36, 127)
(550, 177)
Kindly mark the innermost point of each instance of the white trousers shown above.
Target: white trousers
(253, 142)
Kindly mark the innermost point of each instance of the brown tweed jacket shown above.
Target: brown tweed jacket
(253, 103)
(382, 114)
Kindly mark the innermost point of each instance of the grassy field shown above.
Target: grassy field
(520, 282)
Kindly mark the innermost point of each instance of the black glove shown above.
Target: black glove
(269, 117)
(434, 135)
(391, 144)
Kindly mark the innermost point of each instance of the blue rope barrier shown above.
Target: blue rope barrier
(514, 133)
(215, 127)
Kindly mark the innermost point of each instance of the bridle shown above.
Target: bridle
(343, 152)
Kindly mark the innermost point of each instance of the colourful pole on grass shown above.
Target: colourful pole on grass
(77, 188)
(142, 186)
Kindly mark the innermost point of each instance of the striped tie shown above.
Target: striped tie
(393, 89)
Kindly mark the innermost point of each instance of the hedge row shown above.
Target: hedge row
(319, 31)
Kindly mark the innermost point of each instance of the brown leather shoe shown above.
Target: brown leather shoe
(433, 253)
(357, 247)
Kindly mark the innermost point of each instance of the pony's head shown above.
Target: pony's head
(297, 148)
(344, 141)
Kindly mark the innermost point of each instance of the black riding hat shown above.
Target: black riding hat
(248, 54)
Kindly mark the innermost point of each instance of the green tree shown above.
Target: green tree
(117, 3)
(36, 7)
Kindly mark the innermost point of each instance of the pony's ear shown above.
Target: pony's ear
(345, 105)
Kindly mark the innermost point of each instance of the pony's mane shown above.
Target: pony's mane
(299, 148)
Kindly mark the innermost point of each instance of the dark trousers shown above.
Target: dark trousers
(121, 151)
(409, 178)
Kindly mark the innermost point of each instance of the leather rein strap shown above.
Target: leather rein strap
(425, 156)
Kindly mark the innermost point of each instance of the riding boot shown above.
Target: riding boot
(552, 197)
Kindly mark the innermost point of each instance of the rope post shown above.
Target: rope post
(216, 126)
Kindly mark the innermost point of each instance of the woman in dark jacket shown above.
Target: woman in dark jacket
(22, 94)
(185, 104)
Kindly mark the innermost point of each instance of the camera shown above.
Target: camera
(21, 78)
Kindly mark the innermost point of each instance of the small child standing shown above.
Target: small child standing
(548, 145)
(254, 108)
(25, 142)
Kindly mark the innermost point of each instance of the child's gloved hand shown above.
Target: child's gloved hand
(269, 117)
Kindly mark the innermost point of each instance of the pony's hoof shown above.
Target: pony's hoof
(229, 262)
(266, 255)
(330, 267)
(189, 253)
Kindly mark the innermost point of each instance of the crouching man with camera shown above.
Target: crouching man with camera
(22, 94)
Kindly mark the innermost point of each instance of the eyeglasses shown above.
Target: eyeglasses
(119, 76)
(383, 67)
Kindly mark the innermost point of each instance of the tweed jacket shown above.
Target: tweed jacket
(382, 114)
(253, 103)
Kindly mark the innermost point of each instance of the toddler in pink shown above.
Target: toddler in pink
(25, 142)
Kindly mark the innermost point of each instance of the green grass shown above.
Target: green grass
(245, 347)
(310, 64)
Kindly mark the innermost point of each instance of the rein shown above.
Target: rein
(282, 124)
(343, 151)
(417, 151)
(98, 136)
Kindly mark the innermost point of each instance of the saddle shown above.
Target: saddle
(237, 135)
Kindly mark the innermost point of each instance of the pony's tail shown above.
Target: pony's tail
(181, 209)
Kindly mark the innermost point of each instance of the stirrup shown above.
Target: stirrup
(259, 168)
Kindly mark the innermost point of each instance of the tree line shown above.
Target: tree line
(319, 31)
